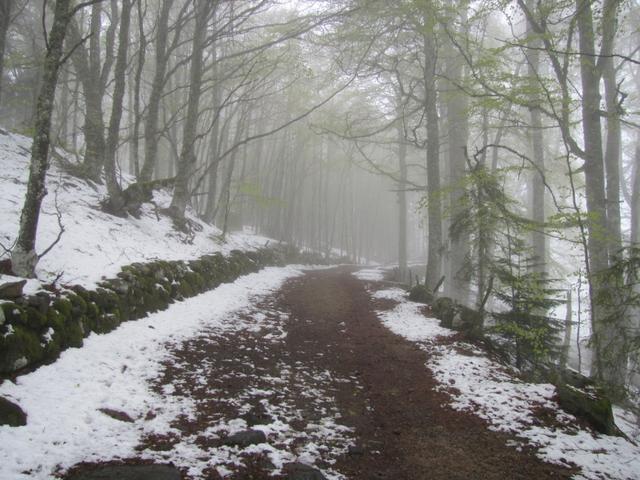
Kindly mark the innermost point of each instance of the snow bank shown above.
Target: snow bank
(96, 245)
(112, 371)
(485, 388)
(370, 274)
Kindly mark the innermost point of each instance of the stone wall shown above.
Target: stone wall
(35, 329)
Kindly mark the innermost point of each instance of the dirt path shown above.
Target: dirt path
(416, 437)
(316, 371)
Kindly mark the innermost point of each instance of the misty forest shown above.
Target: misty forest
(319, 239)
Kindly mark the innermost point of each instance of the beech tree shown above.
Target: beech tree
(357, 128)
(187, 159)
(23, 256)
(5, 19)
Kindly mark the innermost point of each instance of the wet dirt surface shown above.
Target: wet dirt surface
(408, 433)
(317, 372)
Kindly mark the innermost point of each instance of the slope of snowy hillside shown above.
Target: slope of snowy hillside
(94, 244)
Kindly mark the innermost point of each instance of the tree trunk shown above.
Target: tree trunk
(457, 284)
(157, 86)
(5, 19)
(23, 256)
(115, 200)
(142, 46)
(434, 208)
(635, 196)
(614, 132)
(212, 175)
(538, 238)
(187, 160)
(609, 364)
(402, 206)
(566, 341)
(89, 75)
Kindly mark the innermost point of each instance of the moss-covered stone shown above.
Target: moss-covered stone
(68, 330)
(589, 404)
(108, 322)
(14, 314)
(36, 320)
(185, 290)
(93, 311)
(64, 306)
(11, 414)
(40, 301)
(468, 321)
(78, 304)
(39, 327)
(443, 309)
(421, 294)
(19, 347)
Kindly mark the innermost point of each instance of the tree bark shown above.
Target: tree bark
(457, 283)
(614, 132)
(89, 74)
(434, 207)
(538, 237)
(23, 256)
(115, 200)
(187, 160)
(5, 19)
(402, 206)
(142, 47)
(212, 175)
(635, 196)
(609, 365)
(157, 87)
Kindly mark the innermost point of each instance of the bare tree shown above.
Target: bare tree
(116, 201)
(5, 19)
(23, 256)
(187, 159)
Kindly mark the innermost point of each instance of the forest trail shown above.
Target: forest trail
(328, 383)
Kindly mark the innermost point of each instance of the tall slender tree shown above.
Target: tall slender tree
(24, 257)
(5, 19)
(187, 159)
(116, 200)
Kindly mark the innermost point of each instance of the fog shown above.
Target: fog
(485, 149)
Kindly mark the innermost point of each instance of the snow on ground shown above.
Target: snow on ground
(478, 385)
(407, 321)
(253, 374)
(62, 400)
(96, 244)
(370, 274)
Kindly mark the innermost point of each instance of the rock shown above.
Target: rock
(117, 415)
(245, 438)
(20, 363)
(589, 404)
(355, 450)
(12, 290)
(421, 294)
(300, 471)
(40, 301)
(443, 309)
(257, 418)
(11, 414)
(129, 472)
(468, 321)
